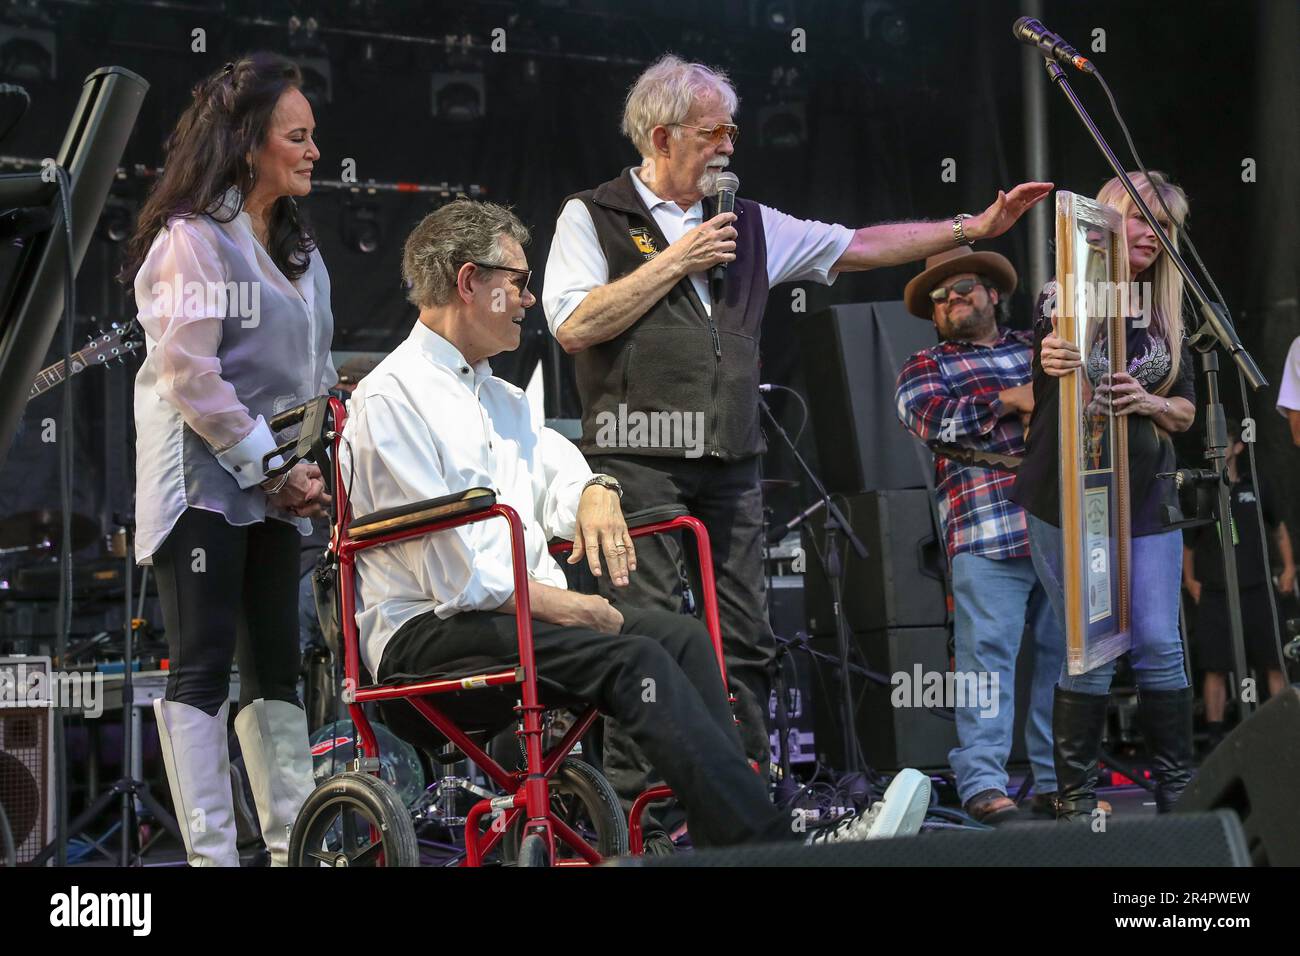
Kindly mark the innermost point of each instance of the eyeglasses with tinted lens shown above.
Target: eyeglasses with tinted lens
(715, 133)
(961, 287)
(520, 284)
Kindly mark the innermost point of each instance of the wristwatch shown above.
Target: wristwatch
(959, 231)
(605, 481)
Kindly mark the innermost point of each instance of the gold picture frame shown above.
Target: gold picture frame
(1092, 277)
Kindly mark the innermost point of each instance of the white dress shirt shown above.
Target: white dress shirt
(216, 370)
(425, 424)
(1288, 394)
(797, 250)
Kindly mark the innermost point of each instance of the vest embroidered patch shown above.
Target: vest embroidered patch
(645, 242)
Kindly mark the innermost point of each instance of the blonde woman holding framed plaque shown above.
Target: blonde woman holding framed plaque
(1127, 411)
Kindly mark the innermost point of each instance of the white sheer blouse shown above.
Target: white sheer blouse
(231, 342)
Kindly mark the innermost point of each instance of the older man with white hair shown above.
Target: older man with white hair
(669, 377)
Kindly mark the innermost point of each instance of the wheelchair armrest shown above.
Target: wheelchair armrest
(654, 515)
(421, 512)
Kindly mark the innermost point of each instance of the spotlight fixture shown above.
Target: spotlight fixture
(117, 220)
(309, 52)
(361, 232)
(884, 23)
(459, 97)
(27, 55)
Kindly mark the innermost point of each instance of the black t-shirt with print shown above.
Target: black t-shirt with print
(1204, 541)
(1037, 487)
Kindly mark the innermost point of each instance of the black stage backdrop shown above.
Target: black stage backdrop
(854, 129)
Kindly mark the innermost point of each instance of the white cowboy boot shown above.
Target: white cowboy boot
(277, 757)
(197, 757)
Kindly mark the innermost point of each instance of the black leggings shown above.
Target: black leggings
(229, 593)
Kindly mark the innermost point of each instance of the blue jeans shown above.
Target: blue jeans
(993, 600)
(1157, 651)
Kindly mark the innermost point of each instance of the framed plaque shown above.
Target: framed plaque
(1092, 274)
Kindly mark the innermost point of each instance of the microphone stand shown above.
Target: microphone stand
(1216, 330)
(854, 777)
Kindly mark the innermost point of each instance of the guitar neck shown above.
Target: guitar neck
(56, 373)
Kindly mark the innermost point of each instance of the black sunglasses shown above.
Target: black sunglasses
(526, 273)
(961, 287)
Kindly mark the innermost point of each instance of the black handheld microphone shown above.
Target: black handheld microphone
(728, 186)
(1031, 31)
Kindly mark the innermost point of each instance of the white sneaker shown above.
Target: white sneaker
(899, 813)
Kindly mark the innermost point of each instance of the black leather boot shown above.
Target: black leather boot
(1165, 717)
(1078, 722)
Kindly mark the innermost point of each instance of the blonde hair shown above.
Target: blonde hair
(664, 94)
(1166, 302)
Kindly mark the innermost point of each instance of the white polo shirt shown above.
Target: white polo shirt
(797, 250)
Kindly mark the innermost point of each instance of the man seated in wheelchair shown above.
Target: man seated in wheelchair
(432, 420)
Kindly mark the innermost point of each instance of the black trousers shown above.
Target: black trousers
(727, 498)
(229, 594)
(658, 678)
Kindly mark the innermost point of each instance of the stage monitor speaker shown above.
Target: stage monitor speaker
(26, 753)
(852, 355)
(1196, 840)
(899, 584)
(1255, 772)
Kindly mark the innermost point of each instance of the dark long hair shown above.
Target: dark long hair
(205, 156)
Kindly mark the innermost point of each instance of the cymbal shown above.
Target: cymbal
(779, 484)
(44, 528)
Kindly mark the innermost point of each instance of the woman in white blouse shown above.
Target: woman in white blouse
(234, 300)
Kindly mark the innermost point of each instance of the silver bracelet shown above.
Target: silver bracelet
(278, 485)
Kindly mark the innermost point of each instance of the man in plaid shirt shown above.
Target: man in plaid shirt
(972, 390)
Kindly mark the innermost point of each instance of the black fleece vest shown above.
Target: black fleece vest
(676, 359)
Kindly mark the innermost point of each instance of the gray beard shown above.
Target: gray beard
(707, 184)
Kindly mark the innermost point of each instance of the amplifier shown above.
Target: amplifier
(891, 737)
(851, 356)
(27, 753)
(785, 602)
(899, 584)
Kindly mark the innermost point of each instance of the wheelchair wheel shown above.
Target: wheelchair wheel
(582, 798)
(335, 823)
(532, 851)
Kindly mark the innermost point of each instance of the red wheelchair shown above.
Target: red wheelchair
(356, 818)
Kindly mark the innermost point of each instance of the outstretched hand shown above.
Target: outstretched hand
(1004, 211)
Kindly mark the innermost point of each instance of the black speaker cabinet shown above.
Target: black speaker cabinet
(899, 583)
(852, 355)
(1200, 840)
(1255, 773)
(891, 737)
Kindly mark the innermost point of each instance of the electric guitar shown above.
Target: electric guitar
(100, 350)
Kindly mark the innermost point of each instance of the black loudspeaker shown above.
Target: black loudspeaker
(852, 355)
(891, 737)
(1255, 772)
(894, 737)
(1195, 840)
(899, 584)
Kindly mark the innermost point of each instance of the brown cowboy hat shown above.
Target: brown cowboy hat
(991, 265)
